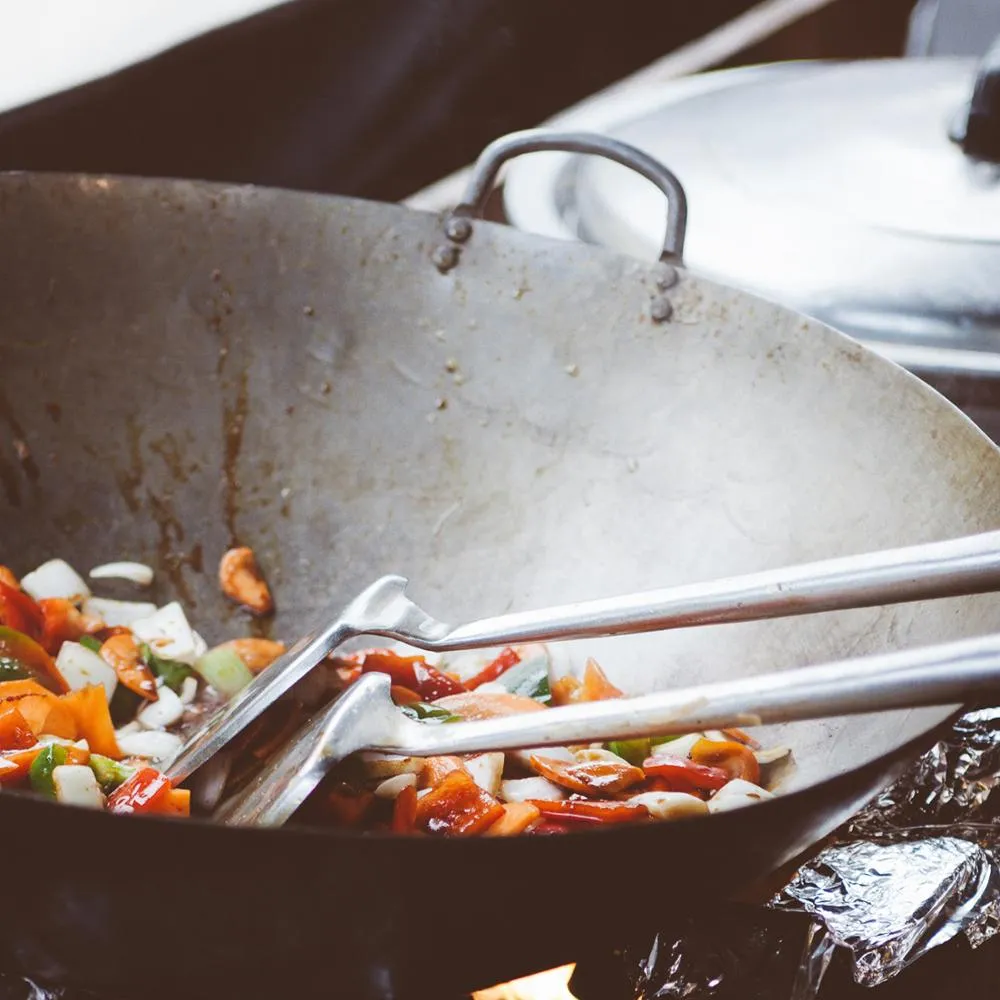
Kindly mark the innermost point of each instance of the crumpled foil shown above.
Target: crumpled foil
(919, 866)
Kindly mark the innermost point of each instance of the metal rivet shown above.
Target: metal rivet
(458, 228)
(661, 310)
(667, 277)
(445, 257)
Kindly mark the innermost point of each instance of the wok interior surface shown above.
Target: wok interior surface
(190, 365)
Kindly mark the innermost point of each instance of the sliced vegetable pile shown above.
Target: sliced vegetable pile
(96, 696)
(542, 791)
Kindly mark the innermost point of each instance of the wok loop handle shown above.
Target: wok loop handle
(497, 153)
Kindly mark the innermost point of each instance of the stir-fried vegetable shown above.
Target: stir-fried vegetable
(73, 667)
(30, 656)
(224, 670)
(42, 767)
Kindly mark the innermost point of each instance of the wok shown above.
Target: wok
(186, 365)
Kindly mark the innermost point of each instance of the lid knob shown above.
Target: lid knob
(977, 128)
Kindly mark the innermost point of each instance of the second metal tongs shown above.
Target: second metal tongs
(958, 567)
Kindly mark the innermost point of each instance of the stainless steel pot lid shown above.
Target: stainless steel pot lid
(832, 187)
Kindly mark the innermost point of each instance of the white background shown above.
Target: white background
(51, 45)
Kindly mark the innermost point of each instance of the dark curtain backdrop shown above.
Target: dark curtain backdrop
(374, 97)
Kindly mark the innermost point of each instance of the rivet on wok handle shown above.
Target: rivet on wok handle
(497, 153)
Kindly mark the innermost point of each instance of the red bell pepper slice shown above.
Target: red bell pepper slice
(685, 775)
(433, 684)
(63, 622)
(505, 660)
(147, 791)
(22, 648)
(15, 733)
(591, 811)
(411, 672)
(457, 807)
(19, 612)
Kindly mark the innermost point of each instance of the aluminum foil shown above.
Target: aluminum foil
(919, 866)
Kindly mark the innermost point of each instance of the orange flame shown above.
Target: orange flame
(550, 985)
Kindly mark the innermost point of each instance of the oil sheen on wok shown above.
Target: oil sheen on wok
(98, 695)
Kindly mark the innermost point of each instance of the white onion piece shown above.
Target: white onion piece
(60, 741)
(122, 613)
(391, 787)
(76, 785)
(736, 794)
(138, 573)
(771, 755)
(162, 713)
(81, 667)
(486, 770)
(388, 765)
(200, 646)
(598, 753)
(189, 690)
(168, 633)
(492, 687)
(670, 805)
(522, 789)
(153, 744)
(55, 578)
(679, 748)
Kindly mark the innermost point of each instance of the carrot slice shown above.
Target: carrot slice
(404, 811)
(177, 802)
(516, 818)
(89, 708)
(596, 686)
(15, 690)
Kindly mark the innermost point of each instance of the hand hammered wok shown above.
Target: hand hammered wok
(351, 388)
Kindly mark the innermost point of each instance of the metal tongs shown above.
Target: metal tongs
(364, 717)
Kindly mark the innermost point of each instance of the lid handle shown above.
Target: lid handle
(977, 128)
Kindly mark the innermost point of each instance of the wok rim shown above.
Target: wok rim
(870, 774)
